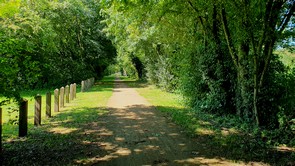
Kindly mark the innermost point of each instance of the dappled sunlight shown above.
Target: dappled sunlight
(120, 139)
(128, 115)
(151, 147)
(59, 122)
(174, 134)
(132, 139)
(137, 133)
(12, 140)
(181, 144)
(149, 139)
(153, 138)
(123, 152)
(285, 149)
(137, 151)
(134, 134)
(104, 132)
(133, 127)
(62, 130)
(204, 131)
(124, 139)
(73, 134)
(89, 131)
(204, 123)
(227, 132)
(207, 161)
(113, 152)
(94, 124)
(108, 146)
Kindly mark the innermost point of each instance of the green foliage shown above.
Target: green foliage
(279, 106)
(222, 133)
(217, 54)
(64, 131)
(286, 55)
(51, 43)
(9, 8)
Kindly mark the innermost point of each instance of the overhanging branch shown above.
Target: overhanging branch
(228, 38)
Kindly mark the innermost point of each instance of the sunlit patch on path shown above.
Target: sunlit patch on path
(134, 133)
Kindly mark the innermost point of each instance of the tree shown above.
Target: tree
(41, 40)
(218, 53)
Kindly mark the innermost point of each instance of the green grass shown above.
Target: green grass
(225, 136)
(61, 139)
(65, 138)
(287, 57)
(10, 111)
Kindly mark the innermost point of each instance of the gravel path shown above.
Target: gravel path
(134, 133)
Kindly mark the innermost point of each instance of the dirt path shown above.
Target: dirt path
(134, 133)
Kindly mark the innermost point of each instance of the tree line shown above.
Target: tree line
(50, 43)
(218, 54)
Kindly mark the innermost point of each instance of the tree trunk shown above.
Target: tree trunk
(255, 93)
(242, 103)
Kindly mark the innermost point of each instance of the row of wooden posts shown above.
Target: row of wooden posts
(86, 84)
(61, 96)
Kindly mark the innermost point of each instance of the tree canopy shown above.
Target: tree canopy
(218, 54)
(50, 43)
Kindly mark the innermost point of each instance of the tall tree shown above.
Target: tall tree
(217, 52)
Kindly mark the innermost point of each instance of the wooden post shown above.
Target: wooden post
(87, 84)
(23, 118)
(83, 86)
(67, 92)
(92, 80)
(37, 117)
(56, 101)
(75, 90)
(71, 92)
(62, 97)
(48, 104)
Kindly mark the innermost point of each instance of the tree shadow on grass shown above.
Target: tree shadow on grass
(226, 142)
(135, 135)
(101, 86)
(63, 141)
(106, 85)
(131, 84)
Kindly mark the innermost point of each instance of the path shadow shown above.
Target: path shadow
(64, 141)
(154, 129)
(101, 86)
(220, 141)
(137, 135)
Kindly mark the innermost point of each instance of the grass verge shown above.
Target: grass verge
(63, 139)
(220, 136)
(10, 111)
